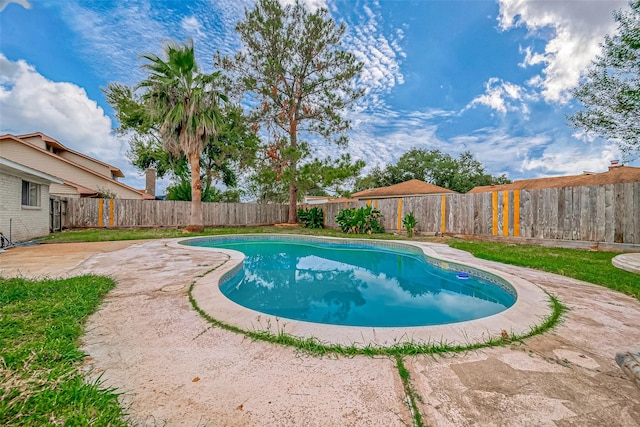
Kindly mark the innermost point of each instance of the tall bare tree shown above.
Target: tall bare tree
(300, 78)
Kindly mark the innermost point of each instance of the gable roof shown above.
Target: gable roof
(615, 175)
(46, 138)
(413, 187)
(81, 190)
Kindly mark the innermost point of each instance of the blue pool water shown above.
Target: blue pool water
(353, 284)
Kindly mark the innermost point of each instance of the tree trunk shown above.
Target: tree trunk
(293, 204)
(293, 189)
(196, 223)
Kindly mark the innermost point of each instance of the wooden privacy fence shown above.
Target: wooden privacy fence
(123, 213)
(606, 213)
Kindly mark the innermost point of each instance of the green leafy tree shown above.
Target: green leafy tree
(225, 152)
(182, 191)
(229, 151)
(327, 177)
(433, 166)
(186, 102)
(332, 177)
(610, 90)
(301, 80)
(376, 178)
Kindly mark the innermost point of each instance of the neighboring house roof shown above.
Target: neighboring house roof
(341, 200)
(14, 138)
(12, 168)
(315, 200)
(413, 187)
(114, 170)
(615, 175)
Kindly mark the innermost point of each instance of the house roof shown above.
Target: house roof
(12, 167)
(83, 191)
(114, 170)
(341, 200)
(113, 181)
(615, 175)
(413, 187)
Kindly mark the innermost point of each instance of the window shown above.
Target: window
(30, 194)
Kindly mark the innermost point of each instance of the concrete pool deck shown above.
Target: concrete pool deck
(176, 369)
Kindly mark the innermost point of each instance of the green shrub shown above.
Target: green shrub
(409, 222)
(360, 221)
(311, 218)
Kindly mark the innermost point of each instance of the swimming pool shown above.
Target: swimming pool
(355, 282)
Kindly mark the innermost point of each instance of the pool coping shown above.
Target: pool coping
(531, 308)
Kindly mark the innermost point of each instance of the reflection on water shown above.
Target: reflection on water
(339, 284)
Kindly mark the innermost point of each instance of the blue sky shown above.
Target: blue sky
(492, 77)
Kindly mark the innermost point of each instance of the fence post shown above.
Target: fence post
(111, 212)
(443, 213)
(516, 213)
(100, 203)
(494, 213)
(505, 213)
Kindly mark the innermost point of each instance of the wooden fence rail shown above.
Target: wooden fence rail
(606, 213)
(123, 213)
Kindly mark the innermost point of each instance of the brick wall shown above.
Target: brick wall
(27, 222)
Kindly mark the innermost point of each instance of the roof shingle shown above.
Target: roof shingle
(413, 187)
(615, 175)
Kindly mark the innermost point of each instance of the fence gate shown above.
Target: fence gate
(55, 214)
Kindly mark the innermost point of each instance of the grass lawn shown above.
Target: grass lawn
(103, 235)
(40, 381)
(589, 266)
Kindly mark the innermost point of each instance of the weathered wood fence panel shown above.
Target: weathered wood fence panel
(124, 213)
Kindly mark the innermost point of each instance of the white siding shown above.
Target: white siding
(87, 163)
(27, 222)
(63, 190)
(37, 141)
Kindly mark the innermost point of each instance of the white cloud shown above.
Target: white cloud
(577, 28)
(499, 151)
(192, 26)
(23, 3)
(31, 103)
(113, 40)
(533, 156)
(531, 58)
(379, 51)
(560, 160)
(311, 4)
(380, 138)
(502, 96)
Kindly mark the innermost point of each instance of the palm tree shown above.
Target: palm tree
(185, 103)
